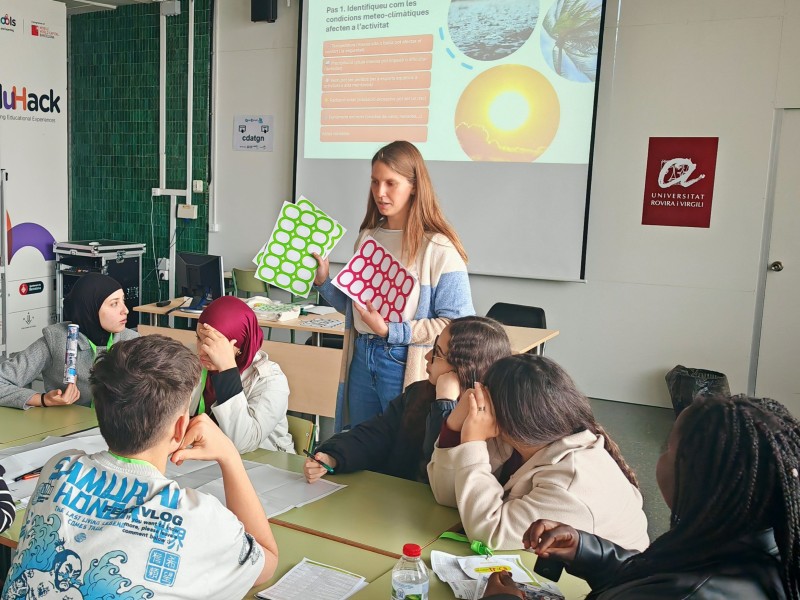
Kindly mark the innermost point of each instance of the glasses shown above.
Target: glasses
(437, 352)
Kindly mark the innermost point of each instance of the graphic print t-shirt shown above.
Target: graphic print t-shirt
(98, 527)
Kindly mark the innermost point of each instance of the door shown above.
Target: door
(778, 373)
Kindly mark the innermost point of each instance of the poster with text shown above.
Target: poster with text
(679, 182)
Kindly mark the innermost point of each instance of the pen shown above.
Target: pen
(328, 468)
(29, 475)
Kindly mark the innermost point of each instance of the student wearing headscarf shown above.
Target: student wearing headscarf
(245, 392)
(96, 304)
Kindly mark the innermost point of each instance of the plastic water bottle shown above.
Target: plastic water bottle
(410, 576)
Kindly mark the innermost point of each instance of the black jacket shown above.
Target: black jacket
(398, 442)
(748, 568)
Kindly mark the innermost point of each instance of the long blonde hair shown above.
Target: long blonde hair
(425, 215)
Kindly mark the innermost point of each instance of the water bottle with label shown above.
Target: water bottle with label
(410, 576)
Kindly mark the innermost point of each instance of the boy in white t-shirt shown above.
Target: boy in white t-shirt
(111, 525)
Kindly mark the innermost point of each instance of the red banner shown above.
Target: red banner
(679, 183)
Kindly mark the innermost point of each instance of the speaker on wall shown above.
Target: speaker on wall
(263, 10)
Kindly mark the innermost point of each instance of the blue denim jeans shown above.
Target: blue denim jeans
(375, 378)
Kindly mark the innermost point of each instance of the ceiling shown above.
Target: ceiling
(77, 7)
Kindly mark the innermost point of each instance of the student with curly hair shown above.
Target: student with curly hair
(730, 476)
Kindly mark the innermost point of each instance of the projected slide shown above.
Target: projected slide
(465, 80)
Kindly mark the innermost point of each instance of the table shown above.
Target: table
(380, 589)
(375, 512)
(38, 423)
(20, 427)
(294, 545)
(151, 310)
(522, 339)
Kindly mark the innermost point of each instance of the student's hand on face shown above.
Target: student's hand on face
(502, 583)
(447, 386)
(549, 539)
(373, 319)
(220, 351)
(313, 470)
(203, 440)
(70, 395)
(455, 420)
(480, 424)
(323, 269)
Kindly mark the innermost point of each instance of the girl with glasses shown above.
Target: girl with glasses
(525, 446)
(400, 441)
(404, 216)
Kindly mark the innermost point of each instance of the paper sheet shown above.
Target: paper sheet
(311, 579)
(374, 275)
(467, 575)
(279, 490)
(285, 261)
(33, 456)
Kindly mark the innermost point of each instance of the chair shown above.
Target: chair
(519, 315)
(302, 432)
(245, 280)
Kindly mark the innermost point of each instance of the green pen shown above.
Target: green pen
(328, 468)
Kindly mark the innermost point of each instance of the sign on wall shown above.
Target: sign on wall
(679, 182)
(253, 133)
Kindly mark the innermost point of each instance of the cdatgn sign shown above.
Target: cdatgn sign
(679, 183)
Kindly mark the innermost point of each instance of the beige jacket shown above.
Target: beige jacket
(573, 481)
(256, 417)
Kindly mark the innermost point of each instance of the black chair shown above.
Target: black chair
(519, 315)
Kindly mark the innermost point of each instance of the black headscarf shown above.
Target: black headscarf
(82, 306)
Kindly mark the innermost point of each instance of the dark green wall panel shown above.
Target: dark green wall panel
(113, 103)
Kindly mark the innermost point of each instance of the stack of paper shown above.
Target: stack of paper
(310, 579)
(286, 260)
(468, 575)
(270, 310)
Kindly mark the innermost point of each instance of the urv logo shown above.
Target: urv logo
(7, 20)
(18, 98)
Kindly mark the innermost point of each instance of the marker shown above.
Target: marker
(328, 468)
(30, 475)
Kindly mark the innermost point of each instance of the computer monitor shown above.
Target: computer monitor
(199, 276)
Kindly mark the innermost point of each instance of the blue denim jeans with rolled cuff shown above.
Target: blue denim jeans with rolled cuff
(375, 378)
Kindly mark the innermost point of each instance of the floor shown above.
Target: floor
(640, 432)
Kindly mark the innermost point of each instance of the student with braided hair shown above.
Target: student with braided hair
(525, 446)
(730, 476)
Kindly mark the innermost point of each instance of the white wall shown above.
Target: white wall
(655, 296)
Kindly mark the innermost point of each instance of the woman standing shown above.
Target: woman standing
(96, 304)
(404, 216)
(247, 393)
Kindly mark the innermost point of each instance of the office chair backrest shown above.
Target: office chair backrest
(519, 315)
(244, 280)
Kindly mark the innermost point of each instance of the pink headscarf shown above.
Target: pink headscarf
(236, 321)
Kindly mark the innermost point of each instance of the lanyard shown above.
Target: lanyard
(94, 353)
(201, 408)
(131, 461)
(477, 546)
(108, 345)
